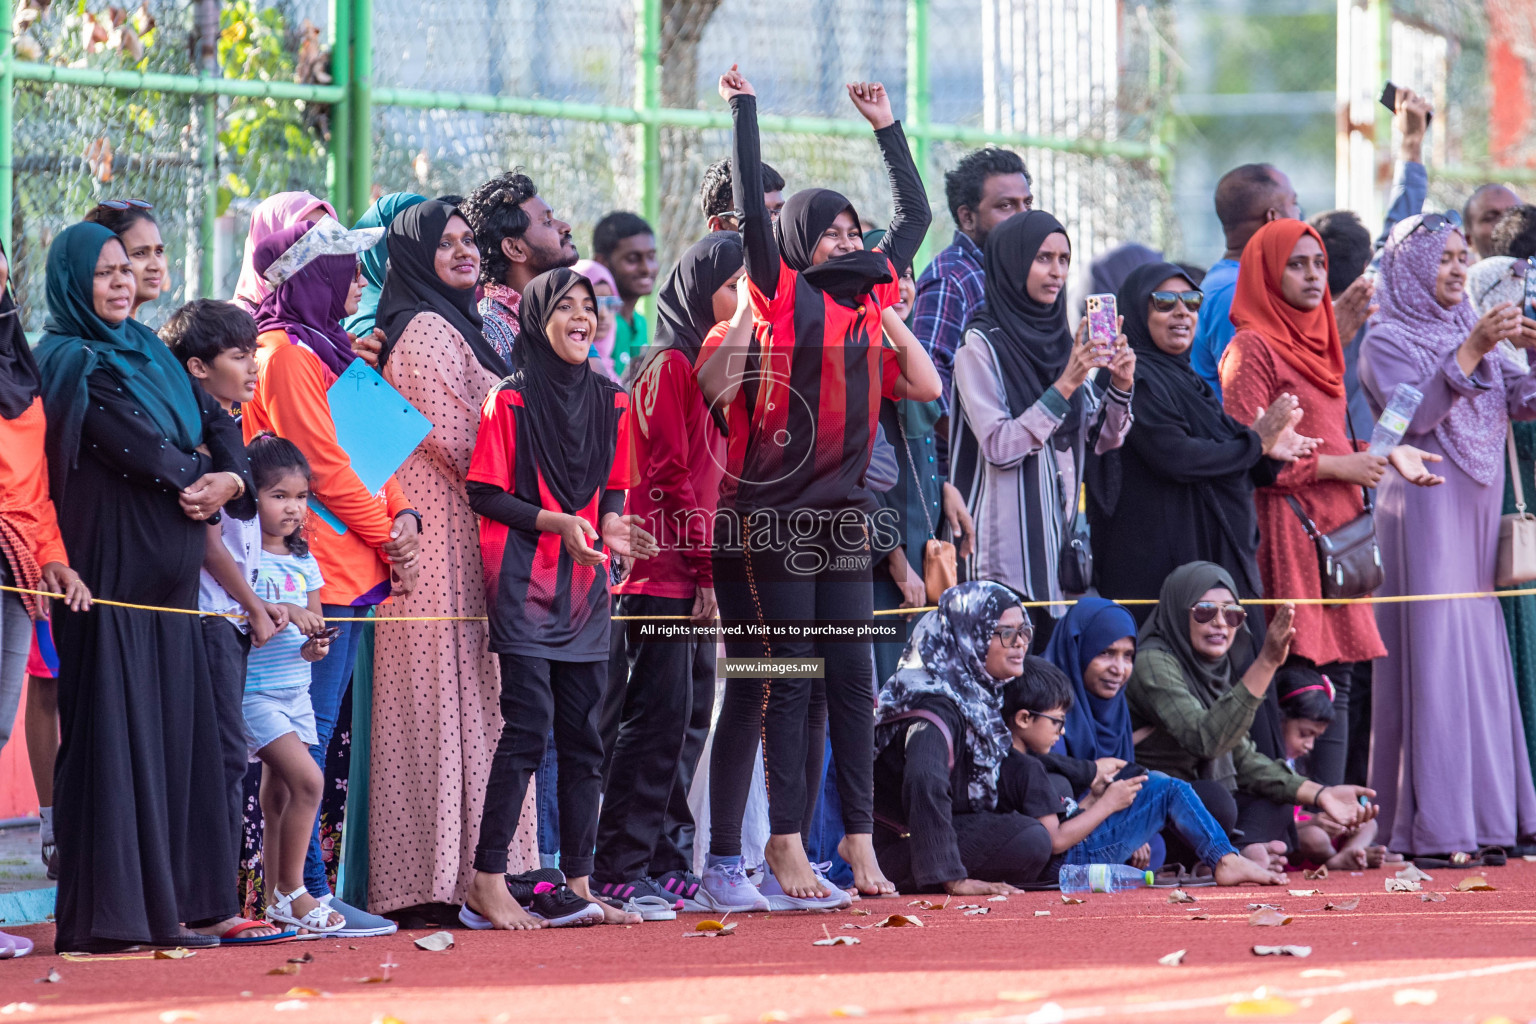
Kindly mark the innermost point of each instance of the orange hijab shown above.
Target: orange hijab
(1307, 339)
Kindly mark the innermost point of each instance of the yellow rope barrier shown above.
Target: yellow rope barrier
(1390, 599)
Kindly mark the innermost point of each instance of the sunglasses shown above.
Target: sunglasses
(1164, 302)
(1059, 723)
(1015, 636)
(126, 204)
(1435, 222)
(1233, 614)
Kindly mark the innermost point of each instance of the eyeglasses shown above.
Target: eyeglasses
(1015, 636)
(126, 204)
(1059, 723)
(1205, 611)
(1164, 302)
(609, 304)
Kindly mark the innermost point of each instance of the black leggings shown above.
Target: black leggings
(535, 694)
(779, 587)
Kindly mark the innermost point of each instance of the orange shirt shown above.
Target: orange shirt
(24, 499)
(291, 402)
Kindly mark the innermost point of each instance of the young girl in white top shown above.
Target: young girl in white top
(279, 720)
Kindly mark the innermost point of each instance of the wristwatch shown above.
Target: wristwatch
(410, 512)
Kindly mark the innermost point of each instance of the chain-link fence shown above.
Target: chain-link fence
(609, 104)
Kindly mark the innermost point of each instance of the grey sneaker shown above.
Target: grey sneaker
(360, 924)
(725, 888)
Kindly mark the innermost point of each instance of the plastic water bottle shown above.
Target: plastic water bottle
(1102, 877)
(1395, 419)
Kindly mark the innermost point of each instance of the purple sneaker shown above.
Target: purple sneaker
(778, 899)
(725, 888)
(13, 946)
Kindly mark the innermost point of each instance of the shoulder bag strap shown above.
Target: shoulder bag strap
(937, 722)
(1514, 469)
(1306, 521)
(906, 442)
(1354, 445)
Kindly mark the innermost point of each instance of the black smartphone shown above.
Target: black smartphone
(1130, 771)
(328, 633)
(1389, 100)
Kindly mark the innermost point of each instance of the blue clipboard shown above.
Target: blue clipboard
(375, 426)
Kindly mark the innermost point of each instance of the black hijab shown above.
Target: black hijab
(685, 305)
(20, 383)
(1167, 388)
(1032, 342)
(411, 284)
(808, 214)
(569, 410)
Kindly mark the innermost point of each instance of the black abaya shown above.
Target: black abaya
(140, 809)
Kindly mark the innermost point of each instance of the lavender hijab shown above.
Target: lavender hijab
(1410, 319)
(310, 305)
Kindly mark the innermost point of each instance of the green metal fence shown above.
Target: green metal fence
(150, 117)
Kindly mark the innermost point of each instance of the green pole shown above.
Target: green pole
(648, 99)
(360, 195)
(337, 177)
(205, 227)
(919, 97)
(7, 128)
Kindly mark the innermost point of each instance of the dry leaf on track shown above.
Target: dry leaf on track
(978, 911)
(1071, 901)
(1180, 896)
(997, 899)
(1346, 905)
(1412, 873)
(1477, 883)
(1305, 892)
(1297, 951)
(437, 942)
(837, 940)
(1268, 918)
(1432, 897)
(900, 921)
(1403, 885)
(1316, 874)
(1173, 959)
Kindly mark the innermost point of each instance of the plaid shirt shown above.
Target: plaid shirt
(948, 292)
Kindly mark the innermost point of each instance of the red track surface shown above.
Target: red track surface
(1097, 961)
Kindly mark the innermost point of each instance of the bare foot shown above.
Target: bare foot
(858, 849)
(611, 915)
(1235, 869)
(786, 858)
(1268, 855)
(264, 930)
(488, 897)
(1376, 856)
(1348, 859)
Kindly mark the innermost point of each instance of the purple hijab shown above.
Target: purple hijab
(311, 304)
(1411, 320)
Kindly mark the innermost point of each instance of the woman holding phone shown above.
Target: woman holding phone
(1026, 411)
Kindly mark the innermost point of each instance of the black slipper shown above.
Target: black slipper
(1444, 862)
(1493, 856)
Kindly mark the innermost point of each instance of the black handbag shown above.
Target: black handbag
(1074, 566)
(1348, 559)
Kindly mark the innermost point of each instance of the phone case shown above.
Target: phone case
(1103, 321)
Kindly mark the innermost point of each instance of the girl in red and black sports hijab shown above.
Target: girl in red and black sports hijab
(794, 547)
(550, 490)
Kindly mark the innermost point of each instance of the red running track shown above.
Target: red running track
(1476, 952)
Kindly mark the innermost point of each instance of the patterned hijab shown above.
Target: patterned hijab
(275, 213)
(947, 657)
(1410, 320)
(1308, 339)
(309, 306)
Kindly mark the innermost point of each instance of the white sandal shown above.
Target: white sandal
(281, 912)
